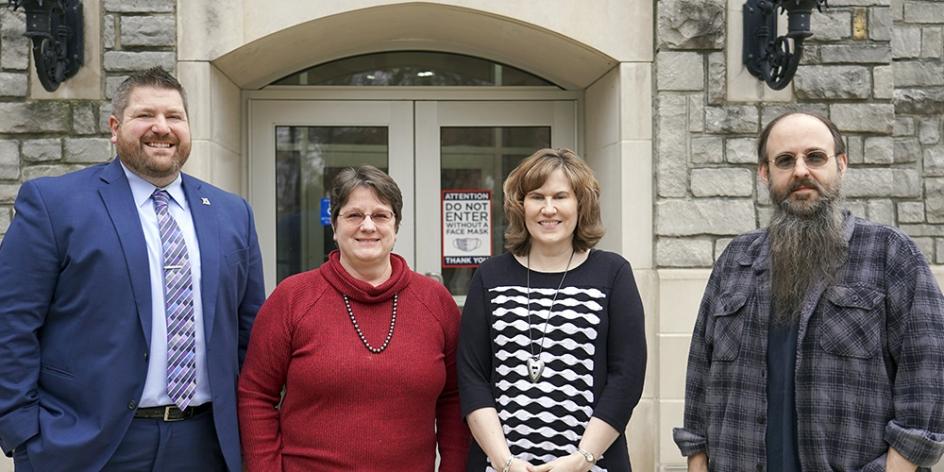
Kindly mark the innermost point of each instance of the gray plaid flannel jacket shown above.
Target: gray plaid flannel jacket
(869, 365)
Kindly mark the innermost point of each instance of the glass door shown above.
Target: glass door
(449, 158)
(297, 148)
(469, 149)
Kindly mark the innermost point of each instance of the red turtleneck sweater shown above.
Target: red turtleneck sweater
(346, 408)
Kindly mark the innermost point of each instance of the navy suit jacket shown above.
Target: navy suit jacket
(75, 314)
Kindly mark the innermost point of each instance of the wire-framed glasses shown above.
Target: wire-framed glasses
(812, 159)
(380, 218)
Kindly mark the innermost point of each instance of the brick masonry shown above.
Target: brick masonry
(52, 137)
(883, 85)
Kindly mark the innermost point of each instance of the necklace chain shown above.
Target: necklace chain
(360, 334)
(551, 307)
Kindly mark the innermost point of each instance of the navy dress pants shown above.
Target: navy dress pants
(156, 445)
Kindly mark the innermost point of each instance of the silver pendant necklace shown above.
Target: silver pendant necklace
(535, 364)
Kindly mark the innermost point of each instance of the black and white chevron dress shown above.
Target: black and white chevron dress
(594, 354)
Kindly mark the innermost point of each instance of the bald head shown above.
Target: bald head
(839, 146)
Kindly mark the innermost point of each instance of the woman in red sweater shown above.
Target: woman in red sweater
(364, 348)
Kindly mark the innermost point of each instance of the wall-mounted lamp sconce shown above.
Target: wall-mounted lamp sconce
(56, 29)
(767, 56)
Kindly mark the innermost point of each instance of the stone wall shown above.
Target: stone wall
(55, 136)
(874, 67)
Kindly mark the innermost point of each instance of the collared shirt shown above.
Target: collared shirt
(869, 359)
(155, 386)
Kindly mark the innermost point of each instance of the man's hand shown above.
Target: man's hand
(895, 462)
(698, 462)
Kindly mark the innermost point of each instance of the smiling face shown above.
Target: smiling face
(153, 135)
(550, 213)
(801, 188)
(369, 242)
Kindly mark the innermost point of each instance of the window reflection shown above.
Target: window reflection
(307, 158)
(481, 158)
(413, 68)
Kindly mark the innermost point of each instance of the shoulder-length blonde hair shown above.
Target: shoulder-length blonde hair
(531, 174)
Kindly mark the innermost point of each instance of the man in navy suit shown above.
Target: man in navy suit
(127, 293)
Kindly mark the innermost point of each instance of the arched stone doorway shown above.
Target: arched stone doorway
(604, 76)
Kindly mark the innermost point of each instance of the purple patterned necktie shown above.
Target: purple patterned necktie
(178, 305)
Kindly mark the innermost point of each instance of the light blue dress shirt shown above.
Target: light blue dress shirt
(155, 386)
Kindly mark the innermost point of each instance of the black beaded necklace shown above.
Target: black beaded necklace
(360, 334)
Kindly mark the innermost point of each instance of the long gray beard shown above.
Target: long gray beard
(806, 246)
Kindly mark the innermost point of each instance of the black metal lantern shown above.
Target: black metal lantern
(56, 30)
(771, 58)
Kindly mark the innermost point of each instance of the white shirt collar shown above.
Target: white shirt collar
(142, 190)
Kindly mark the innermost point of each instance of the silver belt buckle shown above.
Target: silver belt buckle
(167, 414)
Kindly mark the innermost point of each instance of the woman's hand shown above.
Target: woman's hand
(596, 439)
(519, 465)
(574, 462)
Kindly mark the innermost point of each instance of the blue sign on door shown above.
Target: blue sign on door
(325, 211)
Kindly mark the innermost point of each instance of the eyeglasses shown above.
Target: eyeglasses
(812, 159)
(380, 218)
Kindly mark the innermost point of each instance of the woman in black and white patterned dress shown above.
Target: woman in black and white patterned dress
(552, 347)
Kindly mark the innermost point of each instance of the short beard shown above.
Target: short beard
(133, 155)
(807, 246)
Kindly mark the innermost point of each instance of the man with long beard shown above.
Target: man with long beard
(819, 343)
(127, 292)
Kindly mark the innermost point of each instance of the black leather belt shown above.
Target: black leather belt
(171, 412)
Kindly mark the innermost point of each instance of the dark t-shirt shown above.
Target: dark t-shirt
(782, 451)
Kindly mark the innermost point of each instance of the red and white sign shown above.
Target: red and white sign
(466, 227)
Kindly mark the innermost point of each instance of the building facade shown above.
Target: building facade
(449, 95)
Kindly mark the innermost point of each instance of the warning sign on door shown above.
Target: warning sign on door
(466, 227)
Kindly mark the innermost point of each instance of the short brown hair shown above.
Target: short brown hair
(153, 77)
(369, 177)
(531, 174)
(838, 143)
